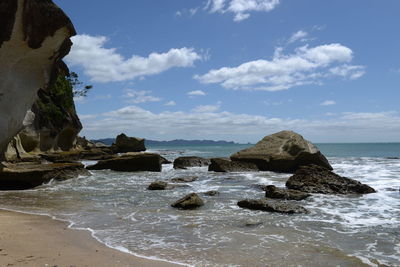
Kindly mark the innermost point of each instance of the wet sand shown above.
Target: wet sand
(32, 240)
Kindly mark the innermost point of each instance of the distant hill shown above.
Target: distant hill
(178, 142)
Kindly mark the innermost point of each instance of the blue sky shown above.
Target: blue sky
(238, 70)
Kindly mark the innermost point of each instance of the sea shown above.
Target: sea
(351, 230)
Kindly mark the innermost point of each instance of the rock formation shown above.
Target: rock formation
(285, 151)
(34, 36)
(133, 162)
(316, 179)
(271, 206)
(189, 202)
(226, 165)
(272, 191)
(184, 162)
(125, 144)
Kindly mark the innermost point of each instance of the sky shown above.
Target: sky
(238, 70)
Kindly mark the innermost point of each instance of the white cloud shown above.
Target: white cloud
(107, 65)
(348, 127)
(207, 108)
(136, 97)
(170, 103)
(241, 8)
(299, 35)
(196, 93)
(308, 65)
(347, 71)
(328, 103)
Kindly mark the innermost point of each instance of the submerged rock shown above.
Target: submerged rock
(26, 175)
(271, 206)
(158, 185)
(184, 162)
(272, 191)
(226, 165)
(191, 201)
(285, 151)
(316, 179)
(130, 163)
(211, 193)
(187, 179)
(125, 144)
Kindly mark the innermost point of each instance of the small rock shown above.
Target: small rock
(211, 193)
(187, 179)
(191, 201)
(158, 185)
(272, 191)
(271, 206)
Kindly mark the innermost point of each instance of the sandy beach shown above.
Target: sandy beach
(31, 240)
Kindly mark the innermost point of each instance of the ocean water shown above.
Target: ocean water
(339, 231)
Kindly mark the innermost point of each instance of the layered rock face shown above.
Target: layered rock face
(34, 36)
(285, 151)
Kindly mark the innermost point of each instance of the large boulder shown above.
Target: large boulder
(34, 37)
(272, 191)
(226, 165)
(285, 152)
(185, 162)
(271, 206)
(316, 179)
(125, 144)
(188, 202)
(133, 162)
(25, 176)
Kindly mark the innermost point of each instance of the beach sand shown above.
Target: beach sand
(32, 240)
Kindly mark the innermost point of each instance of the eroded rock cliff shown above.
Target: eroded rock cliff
(34, 37)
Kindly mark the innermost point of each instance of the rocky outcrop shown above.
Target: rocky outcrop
(316, 179)
(125, 144)
(226, 165)
(34, 36)
(271, 206)
(285, 152)
(188, 202)
(25, 175)
(272, 191)
(134, 162)
(185, 162)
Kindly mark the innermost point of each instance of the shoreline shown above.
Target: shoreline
(40, 240)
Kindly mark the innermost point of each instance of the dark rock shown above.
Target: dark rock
(184, 162)
(164, 160)
(271, 206)
(226, 165)
(285, 152)
(158, 185)
(27, 175)
(125, 144)
(211, 193)
(187, 179)
(272, 191)
(316, 179)
(191, 201)
(130, 163)
(392, 158)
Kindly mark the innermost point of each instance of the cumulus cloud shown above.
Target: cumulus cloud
(241, 8)
(103, 64)
(142, 96)
(196, 93)
(349, 126)
(307, 65)
(170, 104)
(328, 103)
